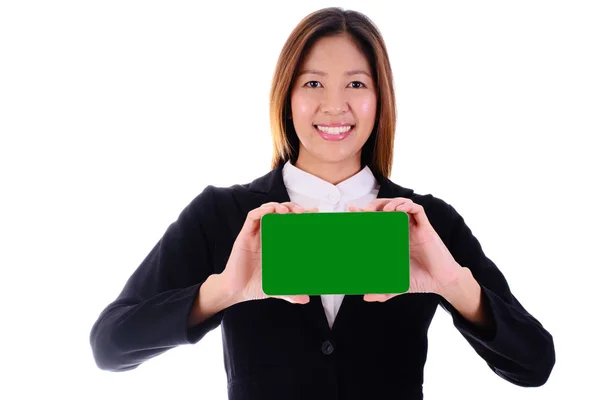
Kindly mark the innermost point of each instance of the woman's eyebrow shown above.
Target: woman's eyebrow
(347, 73)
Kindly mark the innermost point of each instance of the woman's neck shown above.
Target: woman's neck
(333, 173)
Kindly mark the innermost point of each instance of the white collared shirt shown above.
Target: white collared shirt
(309, 191)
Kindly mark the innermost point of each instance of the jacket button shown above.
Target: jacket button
(327, 347)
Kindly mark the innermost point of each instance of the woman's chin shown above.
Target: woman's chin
(341, 158)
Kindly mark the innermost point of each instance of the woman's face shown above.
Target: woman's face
(334, 102)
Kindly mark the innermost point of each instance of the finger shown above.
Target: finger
(377, 297)
(299, 299)
(272, 203)
(296, 299)
(269, 204)
(252, 223)
(256, 214)
(299, 209)
(311, 210)
(373, 297)
(391, 206)
(415, 210)
(279, 207)
(293, 207)
(377, 204)
(353, 209)
(285, 208)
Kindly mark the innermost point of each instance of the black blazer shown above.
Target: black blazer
(277, 350)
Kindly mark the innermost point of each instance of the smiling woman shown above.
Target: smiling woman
(334, 103)
(333, 120)
(334, 73)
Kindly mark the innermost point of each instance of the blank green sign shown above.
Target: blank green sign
(335, 253)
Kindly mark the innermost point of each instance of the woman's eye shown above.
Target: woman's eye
(356, 85)
(312, 84)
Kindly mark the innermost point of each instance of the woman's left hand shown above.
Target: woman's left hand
(432, 266)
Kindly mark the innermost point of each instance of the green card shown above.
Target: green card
(335, 253)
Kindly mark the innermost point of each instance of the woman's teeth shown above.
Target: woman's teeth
(334, 130)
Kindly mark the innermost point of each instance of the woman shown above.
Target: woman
(333, 119)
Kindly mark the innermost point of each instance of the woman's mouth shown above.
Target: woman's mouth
(334, 132)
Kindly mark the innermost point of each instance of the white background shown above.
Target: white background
(115, 114)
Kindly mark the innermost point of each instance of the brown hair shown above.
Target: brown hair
(377, 153)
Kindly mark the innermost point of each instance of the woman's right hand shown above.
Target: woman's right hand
(242, 275)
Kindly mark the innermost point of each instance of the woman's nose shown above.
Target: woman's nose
(334, 103)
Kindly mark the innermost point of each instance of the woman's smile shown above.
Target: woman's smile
(334, 132)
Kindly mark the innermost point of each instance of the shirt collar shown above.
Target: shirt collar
(307, 184)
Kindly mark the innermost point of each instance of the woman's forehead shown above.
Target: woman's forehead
(337, 54)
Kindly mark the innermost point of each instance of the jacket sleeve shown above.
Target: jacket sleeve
(150, 314)
(518, 348)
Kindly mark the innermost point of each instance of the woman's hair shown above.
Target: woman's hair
(377, 153)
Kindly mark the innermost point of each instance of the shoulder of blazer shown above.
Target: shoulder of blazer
(268, 186)
(440, 213)
(213, 197)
